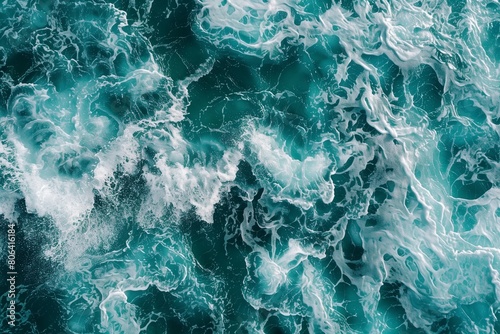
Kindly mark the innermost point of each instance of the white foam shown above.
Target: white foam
(298, 182)
(118, 316)
(247, 26)
(9, 193)
(124, 152)
(186, 187)
(64, 200)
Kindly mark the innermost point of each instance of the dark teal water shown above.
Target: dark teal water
(239, 166)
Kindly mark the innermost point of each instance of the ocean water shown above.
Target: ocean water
(251, 166)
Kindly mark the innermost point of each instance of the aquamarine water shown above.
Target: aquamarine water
(251, 166)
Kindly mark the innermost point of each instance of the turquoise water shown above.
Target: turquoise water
(241, 166)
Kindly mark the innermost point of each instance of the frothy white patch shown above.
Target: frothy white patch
(411, 40)
(66, 201)
(9, 193)
(260, 28)
(186, 187)
(118, 316)
(124, 152)
(298, 182)
(270, 285)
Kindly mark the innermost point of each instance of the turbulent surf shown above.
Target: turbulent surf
(241, 166)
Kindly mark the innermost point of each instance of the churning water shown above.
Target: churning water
(251, 166)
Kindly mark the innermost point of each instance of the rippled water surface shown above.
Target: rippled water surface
(251, 166)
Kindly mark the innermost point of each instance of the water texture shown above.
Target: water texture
(251, 166)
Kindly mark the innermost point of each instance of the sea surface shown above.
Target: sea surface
(251, 166)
